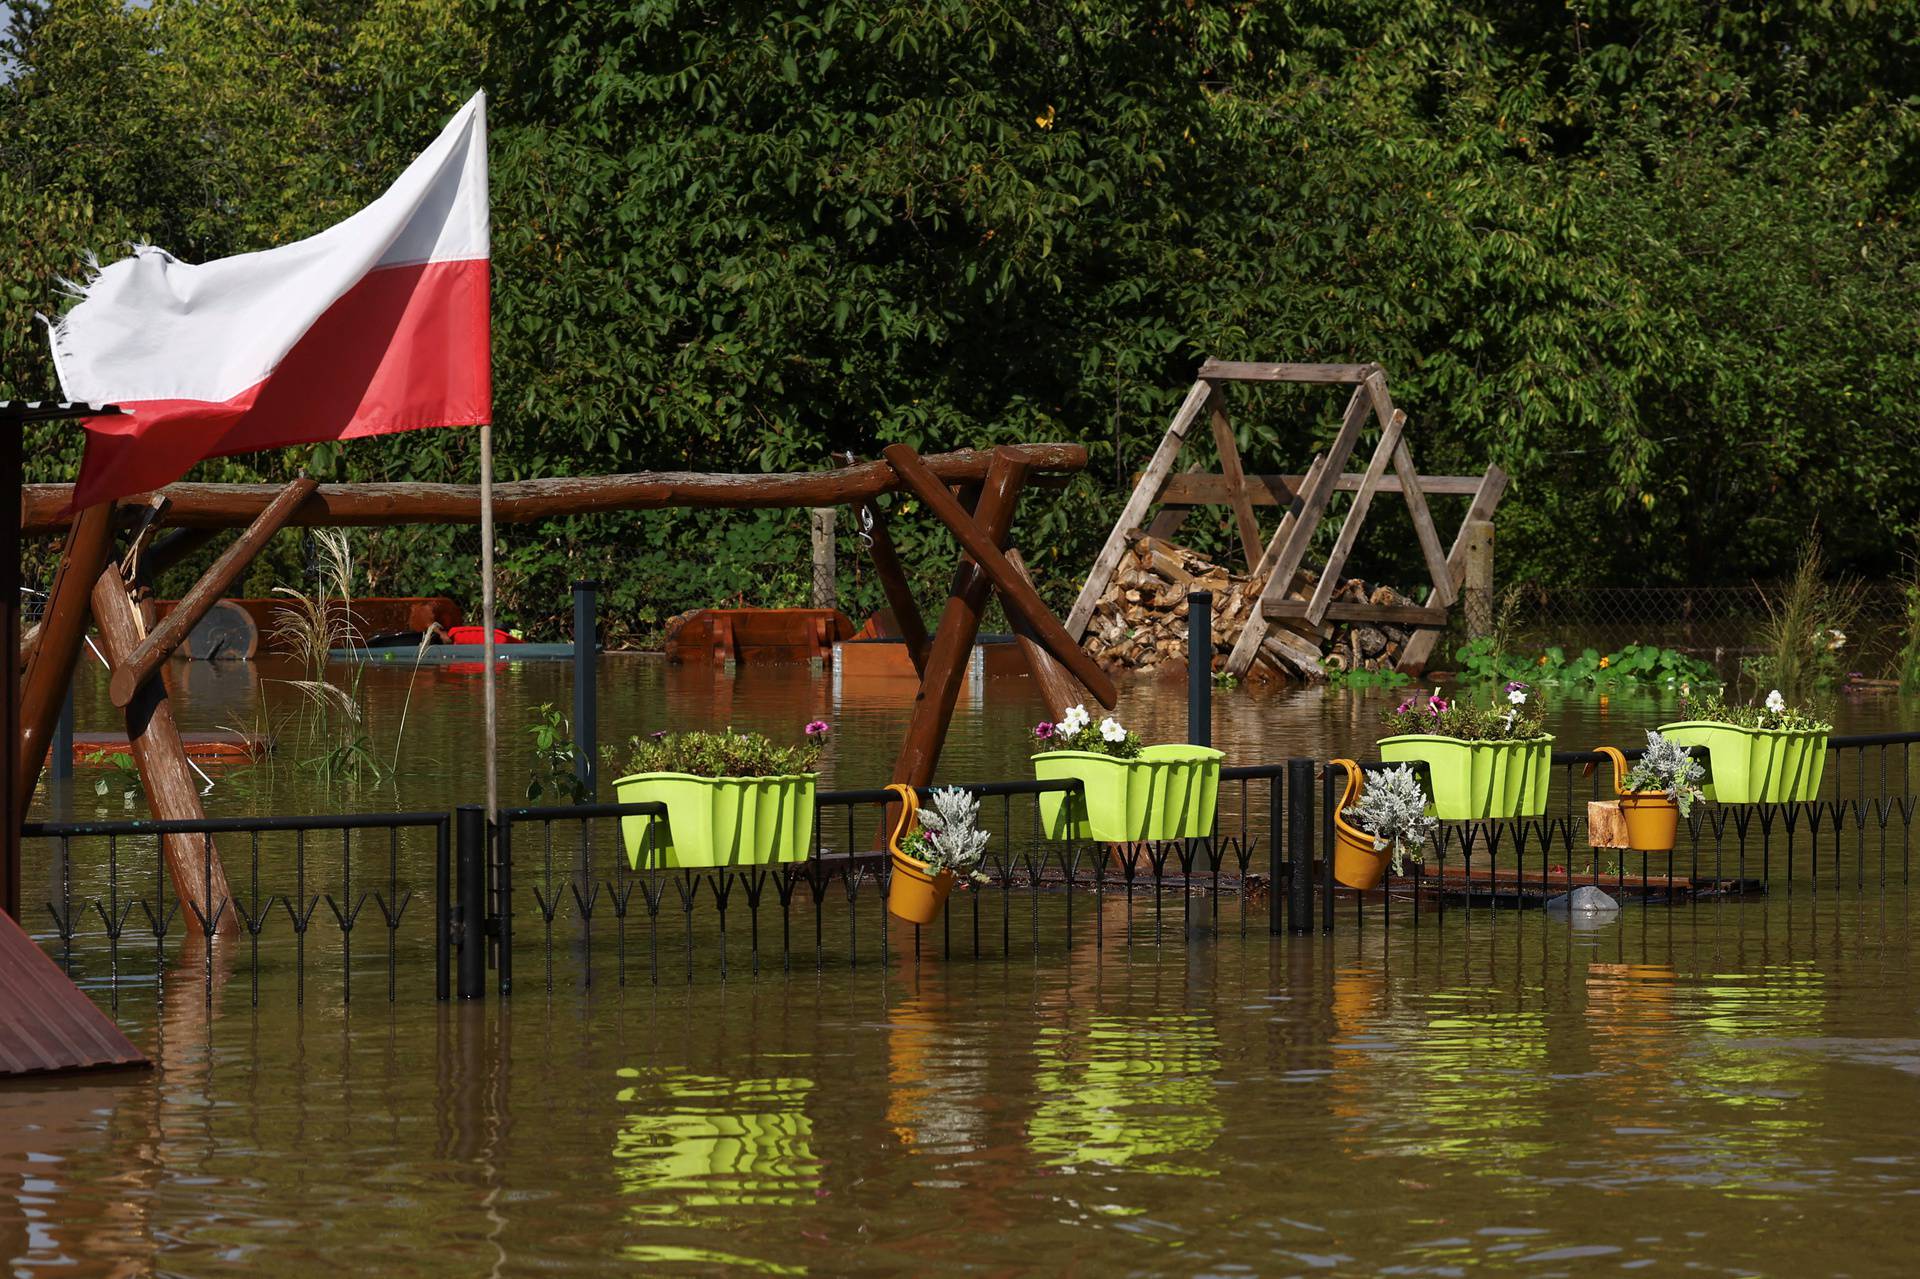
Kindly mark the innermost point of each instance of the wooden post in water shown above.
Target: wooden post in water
(1479, 584)
(824, 520)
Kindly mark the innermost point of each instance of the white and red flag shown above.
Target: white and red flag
(377, 324)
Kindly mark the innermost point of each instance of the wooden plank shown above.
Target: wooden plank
(1144, 494)
(1019, 599)
(1356, 519)
(1168, 519)
(1246, 371)
(1354, 611)
(46, 1023)
(1278, 541)
(1413, 658)
(164, 638)
(1235, 476)
(193, 861)
(43, 506)
(893, 581)
(1198, 488)
(1313, 505)
(1423, 530)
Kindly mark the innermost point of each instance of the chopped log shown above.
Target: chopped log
(1606, 824)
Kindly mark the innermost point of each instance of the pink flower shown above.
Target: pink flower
(817, 728)
(657, 734)
(1405, 707)
(1436, 706)
(1043, 730)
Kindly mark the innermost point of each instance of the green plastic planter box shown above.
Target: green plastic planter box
(1166, 792)
(719, 821)
(1757, 765)
(1478, 780)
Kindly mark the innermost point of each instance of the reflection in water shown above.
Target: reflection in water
(1128, 1091)
(935, 1083)
(694, 1142)
(1469, 1071)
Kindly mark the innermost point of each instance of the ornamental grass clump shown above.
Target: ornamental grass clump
(949, 838)
(1076, 731)
(1667, 767)
(727, 754)
(1393, 809)
(1512, 715)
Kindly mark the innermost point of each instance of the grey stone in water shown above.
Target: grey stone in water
(1584, 900)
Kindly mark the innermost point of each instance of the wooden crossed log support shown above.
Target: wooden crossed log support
(87, 583)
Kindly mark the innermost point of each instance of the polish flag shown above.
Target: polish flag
(377, 324)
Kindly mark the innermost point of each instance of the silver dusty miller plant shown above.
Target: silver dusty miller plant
(1393, 809)
(1668, 767)
(949, 837)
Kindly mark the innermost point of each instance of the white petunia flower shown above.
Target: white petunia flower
(1111, 730)
(1518, 697)
(1075, 719)
(1775, 702)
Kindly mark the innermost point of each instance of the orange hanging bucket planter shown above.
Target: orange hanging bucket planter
(914, 895)
(1652, 817)
(1356, 862)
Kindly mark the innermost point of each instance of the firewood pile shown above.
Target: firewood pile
(1140, 623)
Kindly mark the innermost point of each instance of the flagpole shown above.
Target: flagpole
(489, 695)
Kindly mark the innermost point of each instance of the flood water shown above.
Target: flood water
(1723, 1086)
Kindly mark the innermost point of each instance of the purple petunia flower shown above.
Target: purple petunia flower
(817, 728)
(657, 734)
(1043, 730)
(1514, 686)
(1405, 707)
(1436, 706)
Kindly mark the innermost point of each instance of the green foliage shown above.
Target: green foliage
(1636, 665)
(1907, 668)
(1773, 713)
(1656, 259)
(1510, 715)
(552, 772)
(1393, 809)
(1806, 630)
(727, 754)
(1365, 680)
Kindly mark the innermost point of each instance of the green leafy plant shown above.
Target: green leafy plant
(949, 838)
(1482, 661)
(1669, 767)
(727, 754)
(1513, 714)
(554, 757)
(1806, 630)
(123, 779)
(1076, 731)
(1393, 809)
(1771, 713)
(311, 626)
(1907, 664)
(1365, 680)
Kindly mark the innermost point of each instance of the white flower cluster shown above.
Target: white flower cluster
(1775, 702)
(952, 839)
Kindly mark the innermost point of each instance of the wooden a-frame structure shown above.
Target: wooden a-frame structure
(1279, 558)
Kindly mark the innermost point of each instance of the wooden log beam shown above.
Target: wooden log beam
(1235, 475)
(893, 581)
(953, 637)
(1019, 598)
(1356, 519)
(193, 861)
(1245, 371)
(1058, 689)
(1413, 658)
(1145, 493)
(215, 506)
(62, 634)
(1197, 488)
(1355, 611)
(174, 628)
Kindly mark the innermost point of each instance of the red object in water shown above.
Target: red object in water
(477, 635)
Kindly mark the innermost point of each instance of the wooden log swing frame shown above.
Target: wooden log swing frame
(974, 494)
(1280, 558)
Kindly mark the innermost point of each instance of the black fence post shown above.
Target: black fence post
(470, 850)
(1276, 903)
(443, 912)
(1300, 845)
(503, 906)
(586, 693)
(60, 767)
(1200, 668)
(1329, 801)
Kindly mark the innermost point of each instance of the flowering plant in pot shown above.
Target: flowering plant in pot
(1128, 791)
(1483, 761)
(1772, 753)
(733, 799)
(1660, 789)
(1379, 822)
(934, 850)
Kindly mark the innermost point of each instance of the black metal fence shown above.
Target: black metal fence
(549, 898)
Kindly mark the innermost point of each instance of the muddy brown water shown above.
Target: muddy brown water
(1724, 1086)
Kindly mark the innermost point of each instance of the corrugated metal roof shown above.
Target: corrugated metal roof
(14, 412)
(46, 1022)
